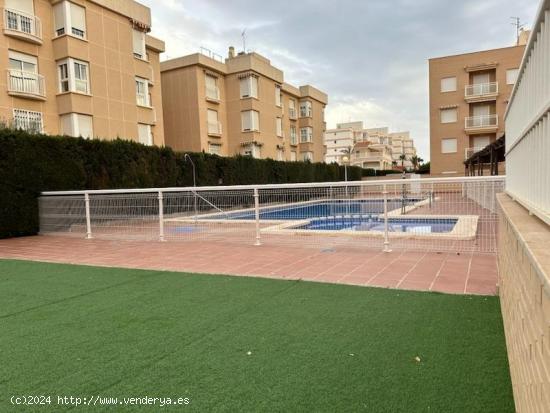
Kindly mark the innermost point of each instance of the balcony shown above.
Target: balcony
(480, 124)
(214, 128)
(213, 94)
(22, 26)
(26, 84)
(481, 92)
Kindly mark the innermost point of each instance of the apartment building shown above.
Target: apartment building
(468, 97)
(240, 105)
(374, 148)
(340, 141)
(81, 68)
(402, 144)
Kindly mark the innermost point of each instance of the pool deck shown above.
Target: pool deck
(464, 273)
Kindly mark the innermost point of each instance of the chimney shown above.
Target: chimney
(523, 37)
(231, 53)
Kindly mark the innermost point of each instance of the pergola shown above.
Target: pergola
(492, 154)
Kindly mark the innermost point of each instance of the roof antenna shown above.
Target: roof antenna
(243, 35)
(518, 25)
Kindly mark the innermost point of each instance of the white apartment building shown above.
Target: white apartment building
(374, 148)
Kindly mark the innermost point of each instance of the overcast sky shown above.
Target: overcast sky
(369, 56)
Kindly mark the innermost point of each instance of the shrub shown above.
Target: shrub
(30, 164)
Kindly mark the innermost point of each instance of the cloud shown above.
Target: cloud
(370, 57)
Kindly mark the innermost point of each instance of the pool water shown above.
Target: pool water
(411, 225)
(322, 209)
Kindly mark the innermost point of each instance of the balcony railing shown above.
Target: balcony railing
(481, 89)
(213, 93)
(26, 83)
(27, 25)
(483, 121)
(214, 128)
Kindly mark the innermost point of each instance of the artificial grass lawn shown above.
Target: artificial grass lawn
(83, 331)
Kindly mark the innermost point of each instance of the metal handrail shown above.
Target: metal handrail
(480, 89)
(280, 186)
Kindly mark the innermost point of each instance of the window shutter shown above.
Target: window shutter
(246, 120)
(85, 126)
(253, 86)
(139, 43)
(255, 120)
(210, 81)
(59, 17)
(78, 17)
(448, 84)
(212, 116)
(67, 125)
(448, 145)
(245, 90)
(448, 115)
(26, 6)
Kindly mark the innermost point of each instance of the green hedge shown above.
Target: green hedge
(30, 164)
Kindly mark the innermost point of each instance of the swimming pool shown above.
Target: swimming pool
(365, 207)
(409, 225)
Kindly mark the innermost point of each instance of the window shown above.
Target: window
(249, 87)
(250, 120)
(280, 154)
(449, 115)
(69, 18)
(138, 39)
(292, 109)
(448, 145)
(252, 150)
(293, 138)
(305, 109)
(76, 124)
(27, 120)
(214, 126)
(278, 95)
(448, 84)
(142, 92)
(307, 156)
(144, 134)
(214, 148)
(73, 76)
(306, 134)
(279, 127)
(22, 21)
(293, 156)
(211, 84)
(23, 73)
(511, 76)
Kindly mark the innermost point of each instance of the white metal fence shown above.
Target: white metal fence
(528, 123)
(443, 214)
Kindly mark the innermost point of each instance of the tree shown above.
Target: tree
(415, 160)
(402, 158)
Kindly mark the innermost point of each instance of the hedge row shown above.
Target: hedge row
(30, 164)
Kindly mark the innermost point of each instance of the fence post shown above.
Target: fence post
(257, 215)
(88, 218)
(386, 235)
(161, 216)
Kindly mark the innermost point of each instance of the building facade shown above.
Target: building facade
(240, 105)
(81, 68)
(468, 97)
(374, 148)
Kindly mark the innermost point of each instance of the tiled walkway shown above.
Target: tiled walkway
(444, 272)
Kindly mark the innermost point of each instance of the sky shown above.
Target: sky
(369, 56)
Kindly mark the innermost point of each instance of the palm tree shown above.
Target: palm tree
(415, 160)
(402, 158)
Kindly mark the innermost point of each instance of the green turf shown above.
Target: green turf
(83, 331)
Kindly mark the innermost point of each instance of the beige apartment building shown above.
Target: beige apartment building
(468, 98)
(374, 148)
(240, 105)
(81, 68)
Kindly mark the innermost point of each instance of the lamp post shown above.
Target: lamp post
(187, 158)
